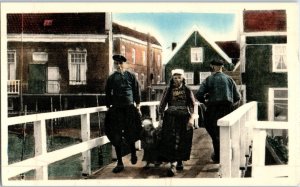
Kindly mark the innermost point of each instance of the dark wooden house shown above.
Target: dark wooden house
(194, 54)
(62, 60)
(55, 57)
(264, 62)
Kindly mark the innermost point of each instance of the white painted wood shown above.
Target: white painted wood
(56, 37)
(40, 137)
(54, 156)
(236, 151)
(225, 152)
(272, 171)
(243, 141)
(234, 116)
(258, 155)
(85, 136)
(153, 112)
(42, 173)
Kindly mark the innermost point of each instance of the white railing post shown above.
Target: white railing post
(243, 142)
(236, 151)
(225, 151)
(40, 137)
(196, 111)
(85, 136)
(259, 146)
(153, 112)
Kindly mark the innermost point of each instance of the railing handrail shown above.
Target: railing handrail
(234, 116)
(42, 158)
(236, 139)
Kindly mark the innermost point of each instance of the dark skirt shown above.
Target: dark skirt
(124, 122)
(176, 137)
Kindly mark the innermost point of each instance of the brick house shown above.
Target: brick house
(143, 53)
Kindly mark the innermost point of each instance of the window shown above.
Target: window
(77, 67)
(133, 56)
(196, 54)
(189, 77)
(40, 57)
(278, 104)
(279, 58)
(53, 85)
(123, 51)
(11, 66)
(144, 57)
(203, 76)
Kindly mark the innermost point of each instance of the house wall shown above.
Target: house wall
(258, 76)
(182, 58)
(139, 67)
(97, 66)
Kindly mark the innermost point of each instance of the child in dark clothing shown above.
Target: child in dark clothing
(149, 138)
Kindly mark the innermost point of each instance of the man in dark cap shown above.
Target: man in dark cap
(123, 121)
(219, 93)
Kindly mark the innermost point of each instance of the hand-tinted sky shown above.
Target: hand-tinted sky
(173, 27)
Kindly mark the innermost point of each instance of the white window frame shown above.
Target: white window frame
(144, 57)
(40, 56)
(11, 73)
(197, 54)
(123, 50)
(271, 102)
(133, 55)
(279, 55)
(189, 77)
(203, 76)
(74, 79)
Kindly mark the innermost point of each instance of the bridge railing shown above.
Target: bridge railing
(260, 133)
(13, 86)
(236, 140)
(42, 158)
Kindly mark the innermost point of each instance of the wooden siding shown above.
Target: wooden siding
(97, 66)
(259, 77)
(182, 58)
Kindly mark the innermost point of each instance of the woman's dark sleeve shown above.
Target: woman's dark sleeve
(163, 101)
(136, 90)
(192, 101)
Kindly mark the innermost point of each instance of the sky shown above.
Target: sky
(173, 27)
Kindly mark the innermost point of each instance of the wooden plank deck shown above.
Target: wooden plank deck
(199, 165)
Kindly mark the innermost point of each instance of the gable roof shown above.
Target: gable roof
(206, 37)
(56, 23)
(264, 20)
(120, 29)
(231, 48)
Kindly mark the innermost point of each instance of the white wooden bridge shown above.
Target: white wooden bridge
(242, 137)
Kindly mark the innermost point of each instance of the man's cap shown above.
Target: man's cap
(119, 58)
(178, 71)
(217, 62)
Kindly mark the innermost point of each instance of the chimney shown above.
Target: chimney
(174, 45)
